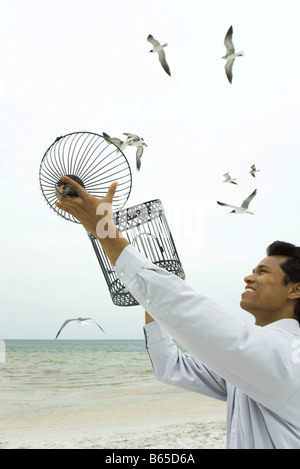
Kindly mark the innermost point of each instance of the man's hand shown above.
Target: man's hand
(95, 215)
(86, 208)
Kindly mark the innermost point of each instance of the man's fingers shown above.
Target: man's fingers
(82, 195)
(81, 192)
(63, 207)
(78, 188)
(85, 207)
(111, 191)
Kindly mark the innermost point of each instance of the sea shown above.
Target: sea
(58, 385)
(101, 394)
(66, 366)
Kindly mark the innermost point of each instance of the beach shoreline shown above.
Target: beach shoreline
(151, 416)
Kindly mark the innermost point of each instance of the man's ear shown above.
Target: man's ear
(294, 291)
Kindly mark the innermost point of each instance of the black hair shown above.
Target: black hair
(291, 266)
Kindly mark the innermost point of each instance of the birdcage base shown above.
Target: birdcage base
(122, 297)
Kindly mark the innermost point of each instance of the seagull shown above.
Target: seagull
(230, 54)
(117, 141)
(139, 143)
(81, 321)
(244, 207)
(228, 178)
(157, 47)
(253, 170)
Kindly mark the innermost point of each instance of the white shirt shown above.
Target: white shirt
(256, 369)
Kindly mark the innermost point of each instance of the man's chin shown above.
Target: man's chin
(245, 306)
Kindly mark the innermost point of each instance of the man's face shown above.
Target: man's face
(265, 296)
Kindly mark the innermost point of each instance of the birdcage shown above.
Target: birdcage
(95, 162)
(91, 160)
(146, 227)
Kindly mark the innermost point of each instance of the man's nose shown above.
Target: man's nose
(249, 278)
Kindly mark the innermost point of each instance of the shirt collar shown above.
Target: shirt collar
(288, 324)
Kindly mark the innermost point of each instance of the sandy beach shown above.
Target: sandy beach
(151, 416)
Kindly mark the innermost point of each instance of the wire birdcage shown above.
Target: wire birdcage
(95, 162)
(146, 227)
(92, 159)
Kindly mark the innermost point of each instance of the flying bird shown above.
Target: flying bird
(228, 178)
(159, 48)
(81, 321)
(139, 143)
(230, 54)
(117, 141)
(244, 207)
(253, 170)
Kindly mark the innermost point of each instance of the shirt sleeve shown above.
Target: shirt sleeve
(252, 358)
(173, 367)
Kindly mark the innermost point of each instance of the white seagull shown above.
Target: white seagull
(81, 321)
(117, 141)
(159, 48)
(244, 207)
(228, 178)
(253, 170)
(139, 143)
(230, 54)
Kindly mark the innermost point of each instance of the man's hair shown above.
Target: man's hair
(291, 266)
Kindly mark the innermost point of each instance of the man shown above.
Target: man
(254, 367)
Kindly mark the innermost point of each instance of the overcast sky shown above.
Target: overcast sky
(70, 65)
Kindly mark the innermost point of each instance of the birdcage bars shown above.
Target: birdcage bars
(91, 158)
(146, 227)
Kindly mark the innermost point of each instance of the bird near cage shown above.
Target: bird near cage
(139, 143)
(117, 141)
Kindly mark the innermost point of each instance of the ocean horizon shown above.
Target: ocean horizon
(43, 364)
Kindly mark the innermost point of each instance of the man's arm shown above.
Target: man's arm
(148, 318)
(173, 367)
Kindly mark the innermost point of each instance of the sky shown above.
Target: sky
(73, 65)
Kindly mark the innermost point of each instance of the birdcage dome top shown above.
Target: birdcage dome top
(92, 159)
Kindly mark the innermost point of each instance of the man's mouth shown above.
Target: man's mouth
(249, 289)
